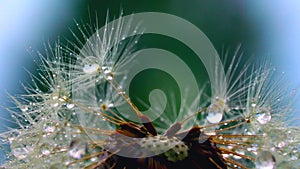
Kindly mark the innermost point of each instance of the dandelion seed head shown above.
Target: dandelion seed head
(75, 122)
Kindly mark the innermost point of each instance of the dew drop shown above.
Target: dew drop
(263, 116)
(110, 105)
(11, 138)
(214, 116)
(70, 105)
(45, 149)
(21, 151)
(106, 70)
(90, 65)
(265, 160)
(110, 77)
(78, 149)
(24, 109)
(45, 152)
(90, 68)
(48, 128)
(240, 152)
(55, 105)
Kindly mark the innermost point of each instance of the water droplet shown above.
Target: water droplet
(106, 70)
(21, 151)
(24, 109)
(240, 152)
(11, 138)
(45, 149)
(110, 105)
(78, 149)
(90, 68)
(70, 105)
(49, 128)
(94, 159)
(110, 77)
(263, 116)
(90, 65)
(265, 160)
(214, 116)
(55, 105)
(293, 155)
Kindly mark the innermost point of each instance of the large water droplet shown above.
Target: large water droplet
(21, 151)
(265, 160)
(78, 149)
(263, 116)
(90, 65)
(214, 116)
(45, 149)
(90, 68)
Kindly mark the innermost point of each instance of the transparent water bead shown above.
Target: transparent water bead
(214, 116)
(90, 65)
(45, 149)
(49, 128)
(21, 151)
(90, 68)
(70, 105)
(265, 160)
(108, 72)
(263, 116)
(216, 110)
(78, 148)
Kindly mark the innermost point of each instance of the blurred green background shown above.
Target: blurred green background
(264, 28)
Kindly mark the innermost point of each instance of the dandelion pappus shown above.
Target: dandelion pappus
(78, 123)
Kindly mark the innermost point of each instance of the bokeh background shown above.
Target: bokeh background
(265, 28)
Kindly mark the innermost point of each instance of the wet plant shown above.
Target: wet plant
(70, 117)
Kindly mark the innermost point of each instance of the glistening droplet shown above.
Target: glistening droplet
(214, 116)
(263, 116)
(21, 151)
(265, 160)
(90, 68)
(49, 127)
(78, 148)
(90, 65)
